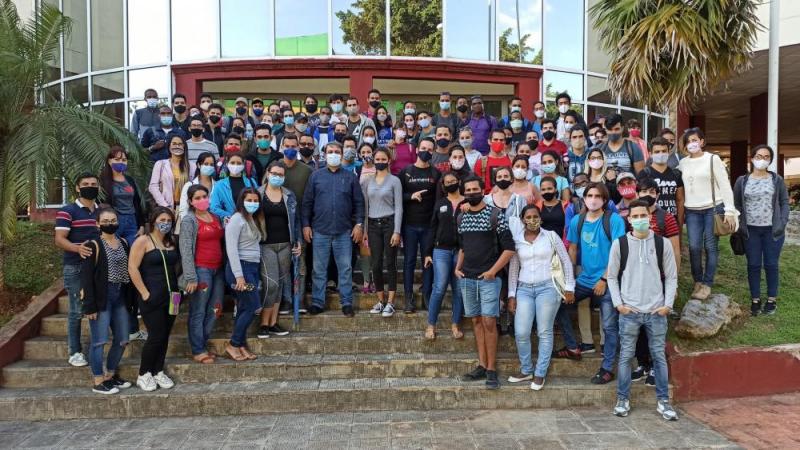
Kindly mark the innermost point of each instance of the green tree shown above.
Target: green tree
(510, 51)
(41, 141)
(674, 52)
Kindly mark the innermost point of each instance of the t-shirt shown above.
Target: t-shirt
(414, 179)
(575, 164)
(208, 253)
(622, 157)
(276, 220)
(196, 148)
(237, 184)
(450, 122)
(438, 158)
(123, 197)
(492, 164)
(668, 183)
(758, 194)
(485, 244)
(81, 225)
(296, 178)
(553, 218)
(556, 145)
(385, 135)
(561, 184)
(594, 246)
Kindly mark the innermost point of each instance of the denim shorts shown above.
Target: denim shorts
(480, 297)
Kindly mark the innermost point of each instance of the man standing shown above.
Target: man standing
(181, 114)
(462, 113)
(155, 139)
(441, 155)
(577, 152)
(336, 102)
(147, 117)
(564, 103)
(307, 149)
(515, 105)
(490, 247)
(213, 131)
(331, 203)
(670, 182)
(356, 121)
(197, 144)
(374, 99)
(295, 179)
(312, 110)
(549, 141)
(258, 110)
(323, 131)
(487, 165)
(539, 112)
(264, 155)
(445, 117)
(622, 155)
(481, 125)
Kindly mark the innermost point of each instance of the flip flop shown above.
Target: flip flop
(229, 350)
(248, 354)
(203, 358)
(457, 334)
(430, 333)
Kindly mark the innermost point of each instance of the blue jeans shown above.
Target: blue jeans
(539, 302)
(415, 238)
(115, 316)
(247, 302)
(760, 245)
(127, 228)
(700, 229)
(656, 328)
(342, 247)
(72, 283)
(481, 297)
(444, 263)
(201, 307)
(608, 316)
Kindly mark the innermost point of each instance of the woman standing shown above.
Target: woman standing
(383, 124)
(367, 170)
(242, 237)
(552, 211)
(596, 166)
(105, 289)
(404, 153)
(202, 258)
(520, 168)
(442, 253)
(532, 294)
(152, 271)
(412, 129)
(708, 192)
(204, 174)
(503, 197)
(763, 201)
(169, 175)
(383, 203)
(227, 189)
(121, 192)
(551, 166)
(465, 139)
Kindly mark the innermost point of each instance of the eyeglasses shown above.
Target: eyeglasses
(762, 158)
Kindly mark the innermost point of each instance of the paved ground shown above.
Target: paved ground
(496, 430)
(753, 422)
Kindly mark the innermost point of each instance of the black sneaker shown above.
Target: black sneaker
(638, 374)
(478, 373)
(491, 380)
(263, 332)
(314, 310)
(565, 353)
(347, 310)
(755, 308)
(602, 377)
(106, 388)
(587, 348)
(277, 330)
(770, 308)
(651, 378)
(119, 383)
(409, 310)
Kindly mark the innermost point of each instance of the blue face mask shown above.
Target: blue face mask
(164, 227)
(276, 180)
(579, 191)
(152, 102)
(207, 170)
(258, 111)
(251, 207)
(166, 120)
(288, 121)
(549, 168)
(640, 225)
(263, 144)
(290, 153)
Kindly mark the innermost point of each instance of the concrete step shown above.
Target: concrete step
(57, 373)
(313, 396)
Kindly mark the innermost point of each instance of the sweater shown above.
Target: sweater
(384, 199)
(241, 243)
(187, 244)
(696, 175)
(640, 288)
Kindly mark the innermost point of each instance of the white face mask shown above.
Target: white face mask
(538, 113)
(520, 173)
(760, 164)
(693, 147)
(456, 164)
(596, 164)
(660, 158)
(333, 159)
(369, 139)
(563, 108)
(235, 169)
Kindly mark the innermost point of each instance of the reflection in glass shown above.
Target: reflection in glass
(54, 72)
(109, 86)
(301, 29)
(115, 111)
(359, 27)
(469, 24)
(595, 112)
(654, 125)
(515, 25)
(598, 90)
(246, 27)
(51, 94)
(194, 36)
(107, 30)
(77, 90)
(147, 32)
(563, 33)
(76, 46)
(157, 78)
(627, 115)
(416, 28)
(597, 60)
(54, 191)
(557, 82)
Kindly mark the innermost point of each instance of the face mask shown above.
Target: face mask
(660, 158)
(89, 193)
(443, 142)
(231, 149)
(258, 111)
(563, 109)
(516, 124)
(533, 144)
(640, 225)
(614, 137)
(119, 167)
(263, 144)
(579, 191)
(311, 107)
(549, 168)
(474, 199)
(177, 151)
(302, 127)
(444, 105)
(110, 228)
(336, 108)
(207, 170)
(381, 166)
(508, 140)
(533, 224)
(238, 130)
(214, 119)
(400, 134)
(568, 126)
(276, 180)
(503, 184)
(349, 153)
(152, 103)
(369, 139)
(333, 159)
(240, 110)
(166, 121)
(456, 164)
(693, 147)
(579, 143)
(519, 173)
(367, 158)
(164, 227)
(411, 111)
(516, 109)
(636, 133)
(375, 103)
(548, 196)
(450, 188)
(466, 143)
(424, 123)
(462, 108)
(251, 207)
(649, 199)
(204, 106)
(288, 121)
(202, 204)
(352, 110)
(497, 147)
(596, 164)
(760, 164)
(180, 109)
(339, 137)
(593, 204)
(324, 119)
(381, 117)
(627, 192)
(306, 152)
(538, 113)
(548, 135)
(235, 169)
(290, 153)
(424, 156)
(196, 132)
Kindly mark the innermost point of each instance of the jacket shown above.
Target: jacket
(153, 135)
(217, 136)
(162, 184)
(106, 198)
(780, 205)
(94, 279)
(144, 119)
(187, 244)
(223, 205)
(183, 207)
(292, 210)
(443, 224)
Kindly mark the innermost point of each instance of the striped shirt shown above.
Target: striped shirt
(80, 223)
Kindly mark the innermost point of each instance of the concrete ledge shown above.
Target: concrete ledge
(27, 324)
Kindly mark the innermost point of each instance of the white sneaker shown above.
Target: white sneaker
(140, 335)
(666, 410)
(163, 380)
(78, 360)
(622, 408)
(377, 309)
(388, 310)
(537, 387)
(146, 382)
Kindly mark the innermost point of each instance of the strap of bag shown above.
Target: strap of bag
(713, 183)
(163, 260)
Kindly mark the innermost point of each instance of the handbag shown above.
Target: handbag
(721, 228)
(556, 269)
(737, 243)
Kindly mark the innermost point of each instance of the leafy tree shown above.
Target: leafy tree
(510, 51)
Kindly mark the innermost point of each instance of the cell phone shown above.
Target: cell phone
(174, 303)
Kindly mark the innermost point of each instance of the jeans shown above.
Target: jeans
(127, 230)
(201, 307)
(159, 326)
(115, 316)
(379, 234)
(444, 263)
(481, 297)
(656, 328)
(72, 283)
(760, 244)
(700, 229)
(341, 246)
(608, 317)
(247, 302)
(415, 237)
(538, 302)
(276, 266)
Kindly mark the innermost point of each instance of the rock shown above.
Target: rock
(704, 319)
(793, 228)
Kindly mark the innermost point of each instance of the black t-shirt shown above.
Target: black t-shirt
(414, 179)
(482, 241)
(668, 183)
(237, 184)
(553, 218)
(276, 220)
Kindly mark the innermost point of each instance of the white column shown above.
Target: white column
(772, 90)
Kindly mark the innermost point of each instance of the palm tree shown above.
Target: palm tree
(41, 140)
(675, 52)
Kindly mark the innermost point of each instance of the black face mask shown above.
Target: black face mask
(474, 199)
(196, 132)
(180, 109)
(241, 110)
(503, 184)
(649, 199)
(311, 107)
(462, 108)
(214, 119)
(450, 188)
(442, 143)
(381, 166)
(339, 137)
(548, 135)
(306, 152)
(508, 140)
(533, 144)
(375, 104)
(238, 130)
(424, 156)
(89, 192)
(548, 196)
(110, 228)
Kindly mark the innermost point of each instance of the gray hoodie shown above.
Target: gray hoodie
(641, 287)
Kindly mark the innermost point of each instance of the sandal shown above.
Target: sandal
(234, 353)
(203, 358)
(248, 354)
(430, 333)
(457, 334)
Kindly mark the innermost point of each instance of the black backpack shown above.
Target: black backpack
(623, 257)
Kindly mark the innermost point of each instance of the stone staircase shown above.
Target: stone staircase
(332, 363)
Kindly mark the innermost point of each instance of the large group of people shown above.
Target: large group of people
(523, 218)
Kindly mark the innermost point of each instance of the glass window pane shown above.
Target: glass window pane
(529, 31)
(301, 29)
(76, 47)
(54, 191)
(654, 125)
(51, 94)
(563, 33)
(359, 27)
(557, 82)
(157, 78)
(115, 111)
(54, 71)
(595, 112)
(107, 42)
(246, 35)
(196, 39)
(630, 104)
(147, 32)
(473, 41)
(110, 86)
(417, 28)
(627, 115)
(598, 91)
(77, 90)
(596, 59)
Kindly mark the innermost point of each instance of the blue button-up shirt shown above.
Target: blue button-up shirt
(333, 202)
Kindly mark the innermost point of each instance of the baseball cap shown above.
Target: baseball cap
(625, 175)
(241, 99)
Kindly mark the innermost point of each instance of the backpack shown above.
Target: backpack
(661, 220)
(606, 223)
(623, 257)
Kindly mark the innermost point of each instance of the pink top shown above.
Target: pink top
(404, 154)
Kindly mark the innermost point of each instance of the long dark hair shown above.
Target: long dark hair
(257, 219)
(107, 175)
(388, 121)
(193, 190)
(200, 158)
(169, 238)
(184, 164)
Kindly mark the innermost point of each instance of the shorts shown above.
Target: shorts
(481, 297)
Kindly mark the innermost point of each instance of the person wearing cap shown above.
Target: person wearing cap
(481, 125)
(240, 110)
(626, 192)
(302, 124)
(258, 110)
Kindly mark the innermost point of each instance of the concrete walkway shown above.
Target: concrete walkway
(460, 430)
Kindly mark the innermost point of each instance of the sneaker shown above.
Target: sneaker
(478, 373)
(602, 377)
(285, 310)
(519, 378)
(163, 380)
(119, 383)
(410, 309)
(347, 310)
(537, 384)
(622, 408)
(666, 410)
(140, 335)
(651, 378)
(302, 310)
(106, 388)
(377, 309)
(587, 348)
(77, 360)
(263, 332)
(638, 374)
(755, 308)
(146, 382)
(770, 308)
(388, 311)
(492, 382)
(565, 353)
(278, 330)
(314, 310)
